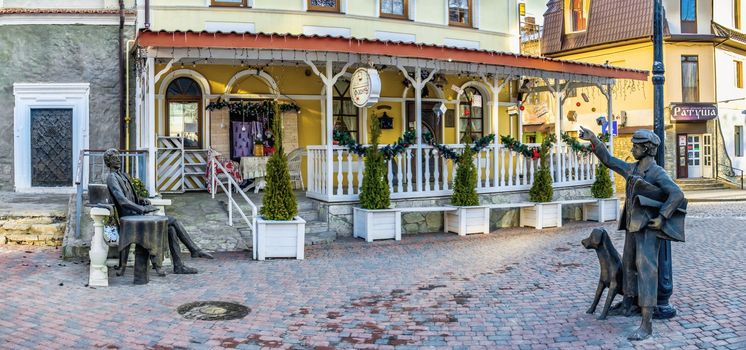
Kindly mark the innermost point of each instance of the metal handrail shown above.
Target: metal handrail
(214, 165)
(80, 176)
(732, 170)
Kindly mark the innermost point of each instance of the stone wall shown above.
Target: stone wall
(61, 54)
(340, 214)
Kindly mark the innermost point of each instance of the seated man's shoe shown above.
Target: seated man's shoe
(202, 254)
(159, 271)
(184, 270)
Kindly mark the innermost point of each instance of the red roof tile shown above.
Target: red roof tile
(608, 21)
(377, 47)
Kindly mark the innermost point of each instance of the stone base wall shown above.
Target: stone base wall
(339, 215)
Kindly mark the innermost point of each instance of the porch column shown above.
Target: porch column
(418, 125)
(150, 111)
(418, 83)
(496, 87)
(329, 86)
(559, 95)
(329, 79)
(609, 116)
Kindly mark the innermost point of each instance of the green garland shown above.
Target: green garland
(252, 111)
(533, 152)
(448, 153)
(580, 147)
(388, 151)
(406, 140)
(289, 107)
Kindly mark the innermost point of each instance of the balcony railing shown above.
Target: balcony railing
(500, 170)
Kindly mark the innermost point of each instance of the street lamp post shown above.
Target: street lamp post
(665, 272)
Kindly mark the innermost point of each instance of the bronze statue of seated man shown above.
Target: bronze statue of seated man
(128, 203)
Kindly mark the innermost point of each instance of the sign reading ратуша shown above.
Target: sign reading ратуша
(692, 112)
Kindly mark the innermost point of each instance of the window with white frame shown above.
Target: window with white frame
(346, 114)
(471, 119)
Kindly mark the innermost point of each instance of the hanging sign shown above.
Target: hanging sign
(365, 87)
(457, 89)
(693, 112)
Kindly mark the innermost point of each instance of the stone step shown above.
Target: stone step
(309, 215)
(316, 226)
(32, 230)
(325, 237)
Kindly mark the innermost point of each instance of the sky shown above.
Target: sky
(536, 9)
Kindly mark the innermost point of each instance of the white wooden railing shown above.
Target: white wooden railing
(500, 170)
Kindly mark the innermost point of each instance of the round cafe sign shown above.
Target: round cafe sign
(365, 87)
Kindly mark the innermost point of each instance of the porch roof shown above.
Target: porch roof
(522, 64)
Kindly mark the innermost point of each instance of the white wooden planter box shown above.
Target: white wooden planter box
(606, 209)
(542, 215)
(373, 224)
(468, 220)
(279, 239)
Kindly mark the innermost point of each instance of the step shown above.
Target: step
(703, 188)
(309, 215)
(324, 237)
(32, 230)
(316, 226)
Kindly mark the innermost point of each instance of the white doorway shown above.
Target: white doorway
(50, 128)
(694, 155)
(707, 155)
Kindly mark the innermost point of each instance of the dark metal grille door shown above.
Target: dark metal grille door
(51, 147)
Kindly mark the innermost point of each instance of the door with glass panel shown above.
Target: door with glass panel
(694, 155)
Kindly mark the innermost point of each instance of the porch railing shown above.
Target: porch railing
(500, 170)
(91, 169)
(229, 187)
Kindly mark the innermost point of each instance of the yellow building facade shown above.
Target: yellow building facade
(445, 70)
(702, 77)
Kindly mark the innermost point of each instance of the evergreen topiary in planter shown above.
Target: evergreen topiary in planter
(607, 207)
(545, 213)
(374, 219)
(469, 217)
(280, 233)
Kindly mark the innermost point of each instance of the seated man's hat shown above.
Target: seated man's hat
(644, 135)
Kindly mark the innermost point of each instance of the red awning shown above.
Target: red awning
(234, 40)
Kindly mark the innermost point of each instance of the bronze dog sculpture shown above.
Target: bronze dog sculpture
(611, 269)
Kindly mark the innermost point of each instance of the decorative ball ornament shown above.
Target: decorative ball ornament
(577, 104)
(523, 108)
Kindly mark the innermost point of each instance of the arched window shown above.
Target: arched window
(184, 111)
(346, 114)
(472, 114)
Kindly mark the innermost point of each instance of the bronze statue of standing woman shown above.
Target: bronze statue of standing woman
(654, 210)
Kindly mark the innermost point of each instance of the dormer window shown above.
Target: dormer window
(577, 15)
(689, 16)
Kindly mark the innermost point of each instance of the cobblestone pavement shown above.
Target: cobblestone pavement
(514, 288)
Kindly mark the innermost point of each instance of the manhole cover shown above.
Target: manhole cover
(213, 311)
